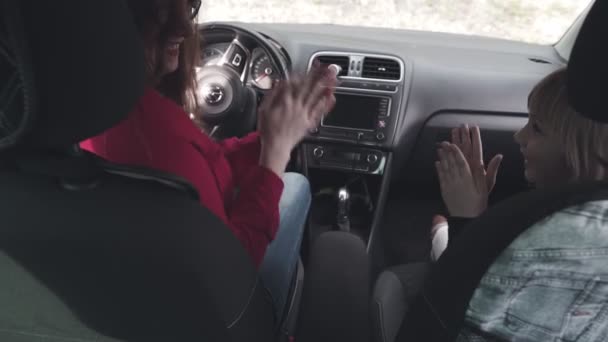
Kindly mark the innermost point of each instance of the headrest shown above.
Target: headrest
(69, 69)
(588, 66)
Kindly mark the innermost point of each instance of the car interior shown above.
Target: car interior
(377, 171)
(94, 251)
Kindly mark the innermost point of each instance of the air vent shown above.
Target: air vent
(381, 68)
(539, 60)
(342, 61)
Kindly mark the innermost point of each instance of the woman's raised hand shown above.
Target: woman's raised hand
(290, 111)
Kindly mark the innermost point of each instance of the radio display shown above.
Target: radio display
(356, 111)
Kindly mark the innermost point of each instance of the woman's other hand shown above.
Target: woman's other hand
(465, 187)
(290, 111)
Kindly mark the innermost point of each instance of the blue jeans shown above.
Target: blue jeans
(282, 255)
(550, 284)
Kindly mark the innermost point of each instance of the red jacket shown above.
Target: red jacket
(158, 134)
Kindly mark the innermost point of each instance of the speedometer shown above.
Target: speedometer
(263, 73)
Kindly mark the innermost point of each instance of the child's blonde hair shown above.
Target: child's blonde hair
(585, 142)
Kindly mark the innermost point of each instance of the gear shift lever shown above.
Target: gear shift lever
(343, 219)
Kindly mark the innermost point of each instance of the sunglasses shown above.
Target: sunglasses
(195, 6)
(164, 8)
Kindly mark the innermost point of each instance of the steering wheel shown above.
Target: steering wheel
(227, 101)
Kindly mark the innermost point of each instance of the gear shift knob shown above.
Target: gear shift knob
(343, 201)
(343, 219)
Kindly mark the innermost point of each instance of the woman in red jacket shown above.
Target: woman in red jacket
(240, 180)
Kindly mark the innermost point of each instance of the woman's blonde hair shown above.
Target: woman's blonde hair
(585, 142)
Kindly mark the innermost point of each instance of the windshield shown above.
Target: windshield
(533, 21)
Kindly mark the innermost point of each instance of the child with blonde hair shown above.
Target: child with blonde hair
(551, 282)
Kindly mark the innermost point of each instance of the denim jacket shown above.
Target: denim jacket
(550, 284)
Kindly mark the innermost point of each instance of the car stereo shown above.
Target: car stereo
(358, 112)
(358, 117)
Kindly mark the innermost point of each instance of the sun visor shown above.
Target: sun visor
(588, 66)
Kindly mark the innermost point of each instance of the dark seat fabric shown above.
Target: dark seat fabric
(79, 66)
(587, 68)
(90, 251)
(394, 291)
(335, 301)
(148, 265)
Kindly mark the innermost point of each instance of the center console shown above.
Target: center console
(348, 154)
(355, 135)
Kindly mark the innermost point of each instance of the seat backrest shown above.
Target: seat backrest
(587, 68)
(88, 251)
(129, 259)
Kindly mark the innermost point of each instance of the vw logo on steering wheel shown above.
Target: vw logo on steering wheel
(214, 94)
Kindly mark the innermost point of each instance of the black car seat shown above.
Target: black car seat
(335, 302)
(420, 302)
(91, 251)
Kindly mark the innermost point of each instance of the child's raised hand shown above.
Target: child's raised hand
(465, 187)
(461, 137)
(468, 140)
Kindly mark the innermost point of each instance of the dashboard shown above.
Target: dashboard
(438, 81)
(262, 73)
